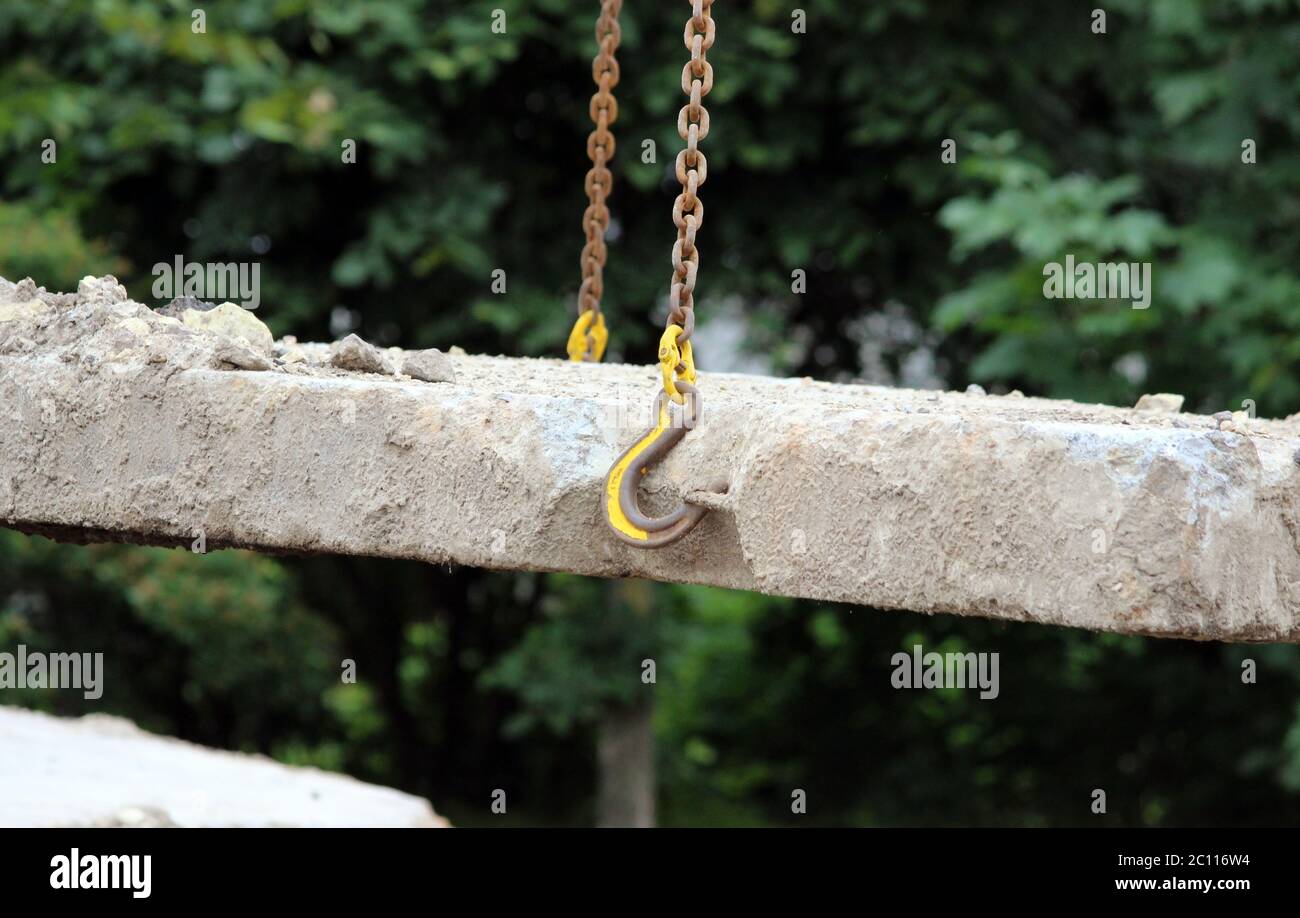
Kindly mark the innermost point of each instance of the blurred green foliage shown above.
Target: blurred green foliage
(824, 156)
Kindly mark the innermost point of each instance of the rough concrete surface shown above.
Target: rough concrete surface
(119, 423)
(102, 771)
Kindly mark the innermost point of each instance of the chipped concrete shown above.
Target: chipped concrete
(1016, 508)
(102, 771)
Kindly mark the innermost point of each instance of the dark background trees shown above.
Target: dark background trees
(824, 157)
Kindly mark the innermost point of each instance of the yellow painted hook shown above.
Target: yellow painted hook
(621, 510)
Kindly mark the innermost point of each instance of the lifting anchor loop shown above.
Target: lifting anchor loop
(621, 509)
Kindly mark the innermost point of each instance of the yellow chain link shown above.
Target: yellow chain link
(588, 338)
(676, 362)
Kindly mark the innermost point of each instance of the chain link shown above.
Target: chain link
(587, 341)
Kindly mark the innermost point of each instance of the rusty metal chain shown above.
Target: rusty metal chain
(688, 209)
(589, 335)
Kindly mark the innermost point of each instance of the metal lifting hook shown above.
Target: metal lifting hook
(621, 509)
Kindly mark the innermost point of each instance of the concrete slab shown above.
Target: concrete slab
(101, 771)
(118, 423)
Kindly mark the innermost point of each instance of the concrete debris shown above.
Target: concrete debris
(287, 350)
(1162, 402)
(431, 366)
(30, 309)
(240, 356)
(100, 291)
(231, 321)
(182, 304)
(352, 353)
